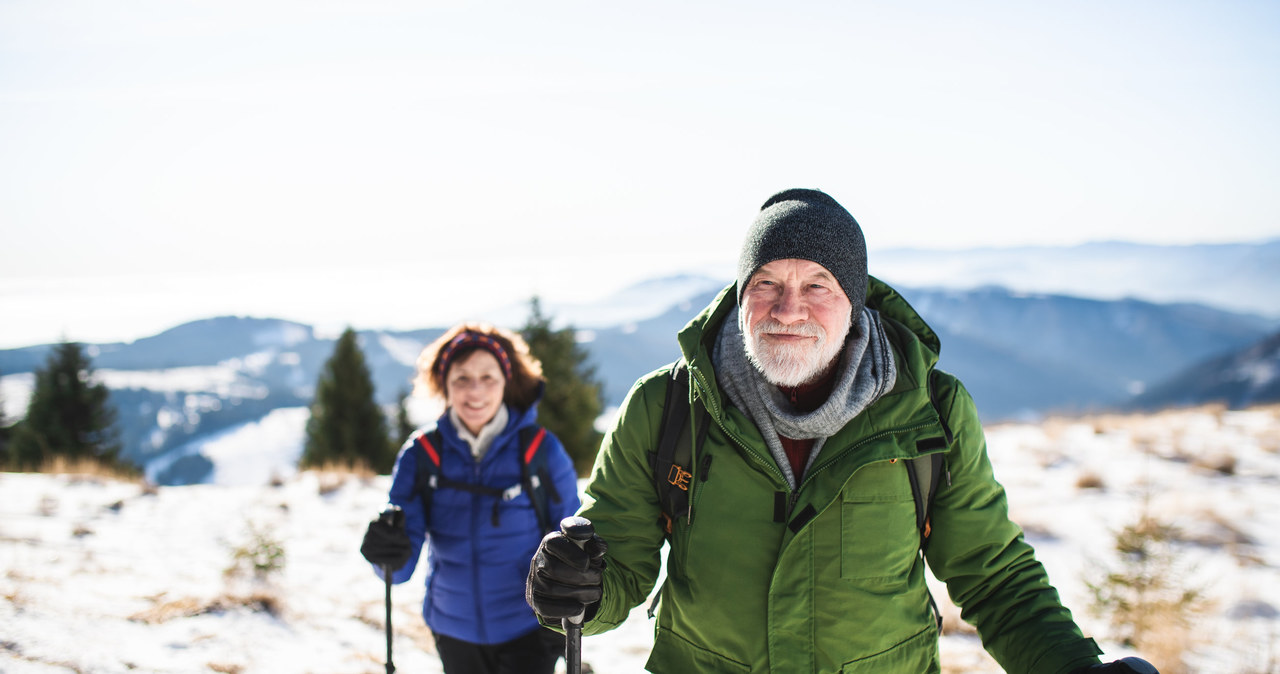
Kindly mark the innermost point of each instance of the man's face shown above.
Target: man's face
(795, 318)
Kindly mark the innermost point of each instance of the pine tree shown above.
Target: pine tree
(68, 417)
(573, 399)
(347, 426)
(404, 427)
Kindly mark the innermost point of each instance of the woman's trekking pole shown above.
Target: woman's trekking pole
(579, 530)
(387, 574)
(388, 517)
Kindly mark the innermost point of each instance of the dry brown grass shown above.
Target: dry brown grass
(1217, 462)
(92, 470)
(334, 476)
(1090, 480)
(13, 594)
(263, 601)
(1168, 642)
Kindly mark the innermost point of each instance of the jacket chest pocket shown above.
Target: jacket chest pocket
(878, 537)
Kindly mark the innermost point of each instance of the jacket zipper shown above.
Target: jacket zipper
(716, 411)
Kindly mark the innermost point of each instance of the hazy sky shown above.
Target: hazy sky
(384, 163)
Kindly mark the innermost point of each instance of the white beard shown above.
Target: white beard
(794, 364)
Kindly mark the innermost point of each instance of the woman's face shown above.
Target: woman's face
(473, 387)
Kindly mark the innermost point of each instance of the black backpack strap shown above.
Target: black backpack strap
(926, 473)
(672, 462)
(930, 467)
(535, 475)
(937, 406)
(430, 478)
(427, 478)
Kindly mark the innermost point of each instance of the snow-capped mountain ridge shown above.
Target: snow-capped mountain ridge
(1021, 352)
(1242, 277)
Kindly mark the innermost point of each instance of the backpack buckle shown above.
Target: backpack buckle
(679, 477)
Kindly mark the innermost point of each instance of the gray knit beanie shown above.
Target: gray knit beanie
(807, 225)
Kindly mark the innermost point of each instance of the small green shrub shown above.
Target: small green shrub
(1145, 596)
(260, 557)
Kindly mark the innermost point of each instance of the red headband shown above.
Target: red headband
(468, 338)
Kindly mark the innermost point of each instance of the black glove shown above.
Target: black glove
(386, 543)
(565, 580)
(1122, 666)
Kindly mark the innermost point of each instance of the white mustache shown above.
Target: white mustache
(771, 326)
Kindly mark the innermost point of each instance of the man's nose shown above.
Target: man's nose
(790, 307)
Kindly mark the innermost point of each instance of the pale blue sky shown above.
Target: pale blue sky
(167, 160)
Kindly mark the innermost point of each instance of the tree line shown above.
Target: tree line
(70, 419)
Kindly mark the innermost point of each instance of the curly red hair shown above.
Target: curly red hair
(522, 386)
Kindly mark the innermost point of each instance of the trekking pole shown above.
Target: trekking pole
(386, 572)
(579, 530)
(389, 516)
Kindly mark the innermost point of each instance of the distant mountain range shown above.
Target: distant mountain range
(1242, 277)
(1021, 354)
(1239, 379)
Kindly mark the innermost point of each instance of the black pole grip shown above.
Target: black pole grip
(392, 515)
(579, 530)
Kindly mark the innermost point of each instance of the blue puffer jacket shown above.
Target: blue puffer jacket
(475, 585)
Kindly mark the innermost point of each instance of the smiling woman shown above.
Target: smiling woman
(476, 489)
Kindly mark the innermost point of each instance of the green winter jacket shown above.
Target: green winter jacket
(838, 586)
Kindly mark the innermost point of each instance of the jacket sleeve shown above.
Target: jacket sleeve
(565, 479)
(402, 494)
(989, 570)
(622, 504)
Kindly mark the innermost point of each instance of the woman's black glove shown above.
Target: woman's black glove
(386, 543)
(1122, 666)
(564, 579)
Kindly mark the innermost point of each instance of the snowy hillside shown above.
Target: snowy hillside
(103, 576)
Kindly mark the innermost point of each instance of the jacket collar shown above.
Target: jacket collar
(915, 344)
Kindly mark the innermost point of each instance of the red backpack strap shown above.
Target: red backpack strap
(427, 477)
(427, 446)
(534, 444)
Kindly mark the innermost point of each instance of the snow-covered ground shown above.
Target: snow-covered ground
(101, 576)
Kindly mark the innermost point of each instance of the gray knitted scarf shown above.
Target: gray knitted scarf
(865, 372)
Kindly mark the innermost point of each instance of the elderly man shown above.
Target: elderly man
(815, 389)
